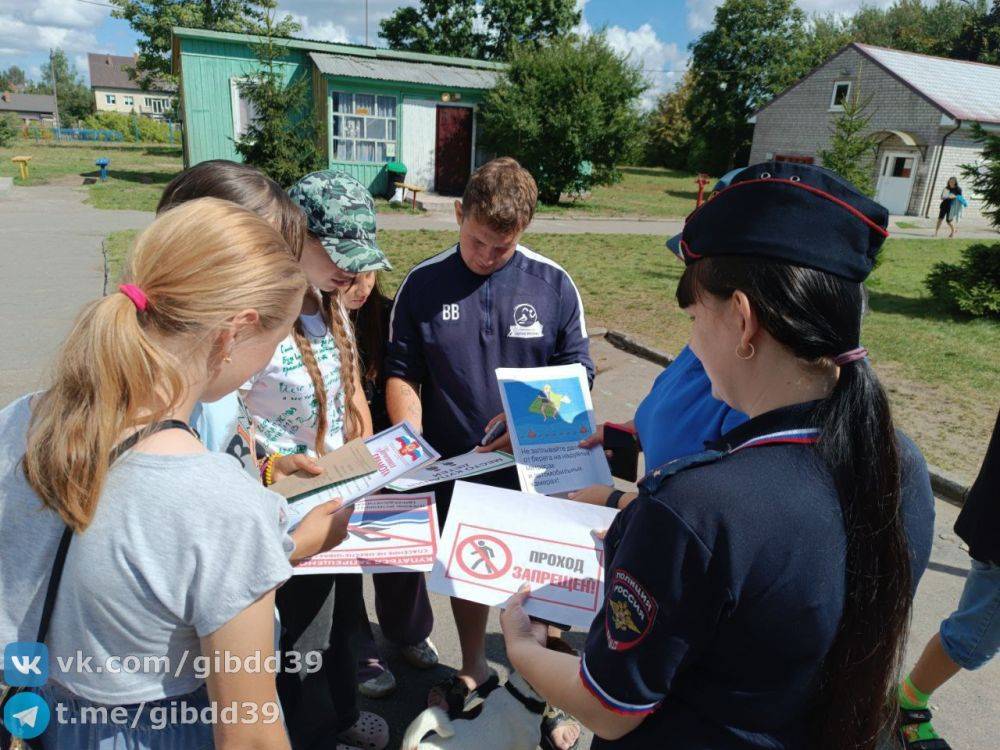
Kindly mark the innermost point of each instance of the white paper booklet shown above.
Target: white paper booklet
(467, 465)
(549, 412)
(396, 451)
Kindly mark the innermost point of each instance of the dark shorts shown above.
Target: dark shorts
(943, 211)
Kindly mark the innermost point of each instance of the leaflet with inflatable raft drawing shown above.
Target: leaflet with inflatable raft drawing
(549, 412)
(394, 453)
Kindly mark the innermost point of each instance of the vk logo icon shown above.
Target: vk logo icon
(25, 664)
(26, 716)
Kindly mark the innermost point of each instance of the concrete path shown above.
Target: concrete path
(968, 708)
(50, 265)
(915, 228)
(542, 224)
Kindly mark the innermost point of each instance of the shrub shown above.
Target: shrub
(10, 126)
(971, 286)
(133, 127)
(563, 105)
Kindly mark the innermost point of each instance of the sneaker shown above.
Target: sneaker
(378, 686)
(423, 655)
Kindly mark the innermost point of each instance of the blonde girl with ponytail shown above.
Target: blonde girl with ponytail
(315, 373)
(149, 546)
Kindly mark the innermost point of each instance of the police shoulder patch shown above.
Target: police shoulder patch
(629, 613)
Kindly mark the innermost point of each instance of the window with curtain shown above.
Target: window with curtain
(364, 127)
(244, 112)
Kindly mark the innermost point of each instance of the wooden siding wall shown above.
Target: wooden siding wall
(207, 68)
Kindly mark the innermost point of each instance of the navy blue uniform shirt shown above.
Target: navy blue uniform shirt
(451, 328)
(725, 587)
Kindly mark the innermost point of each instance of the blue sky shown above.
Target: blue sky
(654, 32)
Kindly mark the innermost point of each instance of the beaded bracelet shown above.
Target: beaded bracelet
(267, 470)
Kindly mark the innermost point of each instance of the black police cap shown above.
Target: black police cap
(798, 213)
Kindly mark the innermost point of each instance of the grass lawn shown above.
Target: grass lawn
(646, 192)
(942, 372)
(137, 172)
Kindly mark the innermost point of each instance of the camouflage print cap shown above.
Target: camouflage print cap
(341, 213)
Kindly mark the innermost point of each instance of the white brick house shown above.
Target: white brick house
(922, 109)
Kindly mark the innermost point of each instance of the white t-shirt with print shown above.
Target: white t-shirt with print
(282, 399)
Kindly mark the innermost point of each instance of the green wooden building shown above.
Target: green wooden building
(374, 105)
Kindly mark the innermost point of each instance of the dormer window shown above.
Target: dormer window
(841, 94)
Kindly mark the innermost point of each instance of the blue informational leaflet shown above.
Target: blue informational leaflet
(549, 412)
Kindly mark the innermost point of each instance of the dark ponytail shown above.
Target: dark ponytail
(818, 316)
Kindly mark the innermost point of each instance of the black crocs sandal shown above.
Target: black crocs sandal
(910, 717)
(553, 719)
(462, 702)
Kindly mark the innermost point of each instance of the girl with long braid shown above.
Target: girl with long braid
(309, 400)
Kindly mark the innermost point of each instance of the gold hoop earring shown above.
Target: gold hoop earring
(753, 351)
(227, 359)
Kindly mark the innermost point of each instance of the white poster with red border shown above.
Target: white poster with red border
(496, 540)
(386, 534)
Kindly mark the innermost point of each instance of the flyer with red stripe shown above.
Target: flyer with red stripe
(386, 534)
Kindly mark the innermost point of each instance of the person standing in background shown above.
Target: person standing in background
(970, 637)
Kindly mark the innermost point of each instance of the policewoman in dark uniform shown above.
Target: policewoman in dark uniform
(757, 594)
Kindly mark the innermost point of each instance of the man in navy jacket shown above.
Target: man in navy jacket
(485, 303)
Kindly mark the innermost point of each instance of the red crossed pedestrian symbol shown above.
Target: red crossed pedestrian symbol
(484, 556)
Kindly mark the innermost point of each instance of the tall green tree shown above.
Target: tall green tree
(12, 79)
(435, 27)
(756, 49)
(915, 26)
(486, 30)
(282, 138)
(74, 97)
(669, 130)
(979, 39)
(852, 146)
(152, 20)
(568, 111)
(525, 21)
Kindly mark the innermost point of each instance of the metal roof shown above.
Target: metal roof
(112, 72)
(446, 76)
(44, 103)
(964, 90)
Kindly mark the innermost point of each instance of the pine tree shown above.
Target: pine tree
(282, 138)
(985, 176)
(852, 151)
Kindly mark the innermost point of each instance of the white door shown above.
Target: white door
(419, 140)
(897, 170)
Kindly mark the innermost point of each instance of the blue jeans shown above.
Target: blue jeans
(153, 730)
(971, 634)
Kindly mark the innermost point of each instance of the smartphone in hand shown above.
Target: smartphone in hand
(624, 446)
